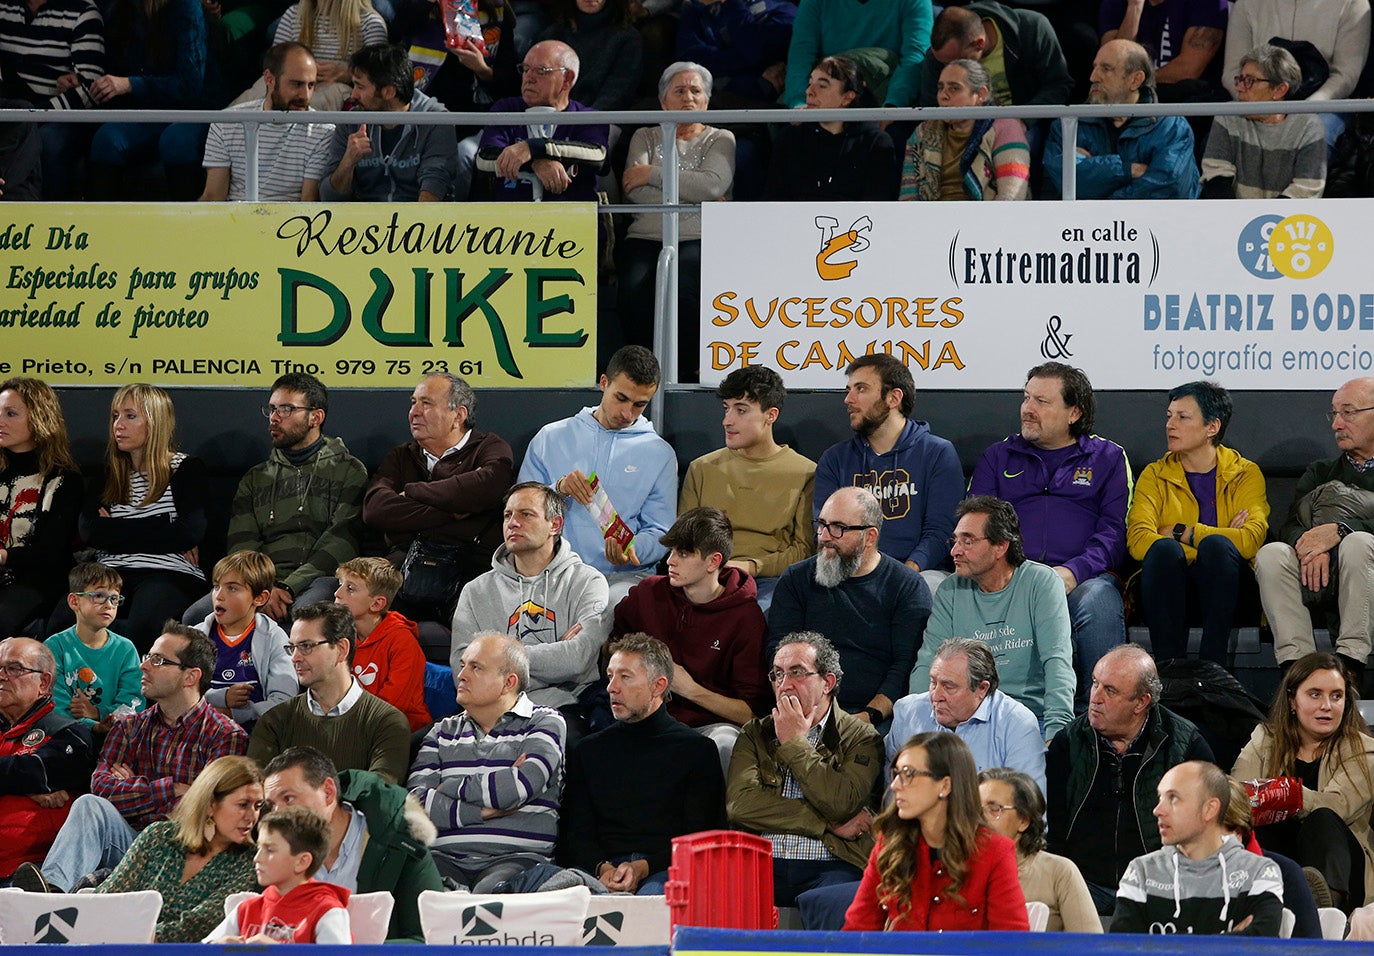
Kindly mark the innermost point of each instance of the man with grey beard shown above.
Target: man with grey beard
(872, 607)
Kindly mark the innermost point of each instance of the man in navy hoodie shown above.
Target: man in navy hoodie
(914, 473)
(1071, 490)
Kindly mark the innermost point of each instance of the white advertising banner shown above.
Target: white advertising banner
(1141, 295)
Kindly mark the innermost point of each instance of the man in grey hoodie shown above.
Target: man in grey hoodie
(389, 163)
(1201, 881)
(539, 591)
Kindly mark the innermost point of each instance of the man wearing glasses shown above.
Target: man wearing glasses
(1324, 554)
(871, 606)
(1014, 605)
(149, 761)
(301, 506)
(45, 756)
(565, 160)
(333, 713)
(805, 776)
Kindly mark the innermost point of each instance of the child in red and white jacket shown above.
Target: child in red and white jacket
(292, 844)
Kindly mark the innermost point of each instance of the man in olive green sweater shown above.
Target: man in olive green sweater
(333, 713)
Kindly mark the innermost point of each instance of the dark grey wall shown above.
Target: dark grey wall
(1282, 431)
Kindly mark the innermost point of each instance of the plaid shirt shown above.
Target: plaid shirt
(795, 846)
(161, 756)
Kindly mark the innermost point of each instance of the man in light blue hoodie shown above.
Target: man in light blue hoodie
(634, 466)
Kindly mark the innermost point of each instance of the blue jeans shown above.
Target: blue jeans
(94, 836)
(1099, 623)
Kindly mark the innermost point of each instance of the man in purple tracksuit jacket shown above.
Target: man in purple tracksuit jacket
(1071, 491)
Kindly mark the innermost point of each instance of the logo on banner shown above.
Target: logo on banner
(1296, 247)
(833, 243)
(481, 920)
(55, 927)
(602, 929)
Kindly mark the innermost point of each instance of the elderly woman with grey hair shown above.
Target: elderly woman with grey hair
(706, 171)
(1266, 155)
(1014, 807)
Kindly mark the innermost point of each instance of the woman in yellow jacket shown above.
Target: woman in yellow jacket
(1197, 519)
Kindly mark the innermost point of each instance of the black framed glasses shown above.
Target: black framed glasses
(838, 529)
(157, 660)
(305, 648)
(103, 597)
(285, 411)
(15, 670)
(908, 774)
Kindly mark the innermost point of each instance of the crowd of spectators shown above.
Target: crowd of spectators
(80, 54)
(632, 661)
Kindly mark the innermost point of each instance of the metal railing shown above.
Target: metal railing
(666, 279)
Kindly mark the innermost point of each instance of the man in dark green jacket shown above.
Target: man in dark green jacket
(301, 507)
(1325, 548)
(381, 836)
(1018, 48)
(1104, 768)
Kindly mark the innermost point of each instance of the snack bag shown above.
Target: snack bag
(606, 517)
(461, 28)
(1273, 799)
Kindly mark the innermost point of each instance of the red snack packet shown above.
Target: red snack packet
(1274, 799)
(461, 28)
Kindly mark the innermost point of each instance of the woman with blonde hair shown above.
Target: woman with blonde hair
(935, 865)
(40, 500)
(1309, 769)
(201, 854)
(333, 30)
(149, 520)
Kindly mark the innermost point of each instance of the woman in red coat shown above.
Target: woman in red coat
(935, 865)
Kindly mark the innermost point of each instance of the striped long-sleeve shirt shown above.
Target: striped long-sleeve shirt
(61, 38)
(460, 771)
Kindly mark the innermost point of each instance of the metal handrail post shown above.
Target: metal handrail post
(250, 175)
(1068, 157)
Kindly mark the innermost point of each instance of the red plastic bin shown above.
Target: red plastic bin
(722, 878)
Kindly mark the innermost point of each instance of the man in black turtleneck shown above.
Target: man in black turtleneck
(637, 784)
(301, 506)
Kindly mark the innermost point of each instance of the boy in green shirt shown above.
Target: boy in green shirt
(97, 670)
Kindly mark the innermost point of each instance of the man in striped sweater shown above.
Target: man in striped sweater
(50, 53)
(490, 778)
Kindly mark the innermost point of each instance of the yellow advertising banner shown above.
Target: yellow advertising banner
(237, 294)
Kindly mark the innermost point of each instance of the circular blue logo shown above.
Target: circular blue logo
(1253, 247)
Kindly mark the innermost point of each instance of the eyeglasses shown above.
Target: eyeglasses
(908, 774)
(994, 811)
(963, 540)
(305, 648)
(522, 69)
(776, 675)
(103, 597)
(1244, 81)
(285, 411)
(157, 660)
(1346, 414)
(838, 529)
(14, 670)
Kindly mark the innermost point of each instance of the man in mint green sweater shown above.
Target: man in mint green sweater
(1015, 606)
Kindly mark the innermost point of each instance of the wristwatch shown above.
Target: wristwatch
(1178, 531)
(1342, 529)
(875, 716)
